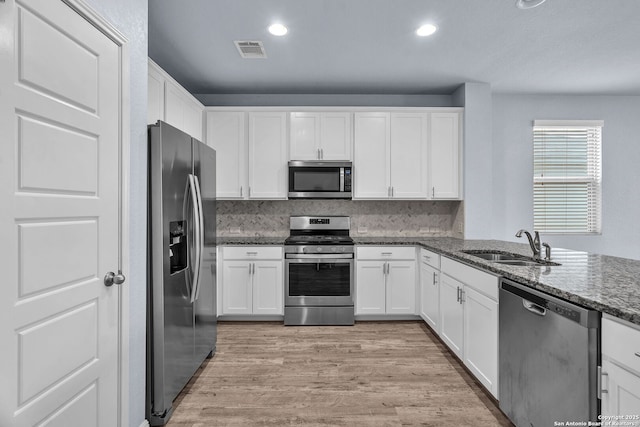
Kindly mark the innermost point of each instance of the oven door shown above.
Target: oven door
(316, 280)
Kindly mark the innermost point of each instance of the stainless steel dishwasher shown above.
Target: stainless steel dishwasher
(549, 353)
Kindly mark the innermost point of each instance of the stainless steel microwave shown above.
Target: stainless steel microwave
(320, 179)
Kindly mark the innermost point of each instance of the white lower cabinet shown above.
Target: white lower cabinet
(469, 319)
(252, 286)
(620, 369)
(371, 285)
(430, 288)
(385, 280)
(451, 314)
(481, 337)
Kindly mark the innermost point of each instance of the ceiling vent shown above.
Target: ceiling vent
(251, 49)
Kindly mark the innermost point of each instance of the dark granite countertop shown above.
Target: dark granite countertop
(605, 283)
(249, 240)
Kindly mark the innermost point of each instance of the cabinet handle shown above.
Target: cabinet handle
(391, 191)
(240, 191)
(433, 191)
(322, 153)
(457, 293)
(252, 253)
(434, 278)
(462, 295)
(600, 383)
(249, 192)
(318, 153)
(637, 353)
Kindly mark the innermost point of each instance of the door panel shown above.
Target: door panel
(371, 156)
(430, 296)
(59, 113)
(370, 287)
(401, 287)
(237, 288)
(409, 155)
(267, 287)
(451, 314)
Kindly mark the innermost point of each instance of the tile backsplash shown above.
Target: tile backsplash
(368, 218)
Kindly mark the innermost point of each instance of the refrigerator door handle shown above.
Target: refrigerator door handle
(195, 266)
(200, 236)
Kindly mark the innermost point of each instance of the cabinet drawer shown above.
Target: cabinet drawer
(431, 258)
(386, 252)
(481, 281)
(252, 252)
(621, 343)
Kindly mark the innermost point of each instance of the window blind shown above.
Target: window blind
(567, 176)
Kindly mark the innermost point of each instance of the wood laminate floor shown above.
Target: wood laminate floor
(371, 374)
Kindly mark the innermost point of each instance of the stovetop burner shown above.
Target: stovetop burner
(319, 230)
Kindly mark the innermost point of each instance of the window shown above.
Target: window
(567, 176)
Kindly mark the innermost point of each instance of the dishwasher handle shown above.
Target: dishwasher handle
(534, 308)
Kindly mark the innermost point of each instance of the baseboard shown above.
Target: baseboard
(145, 423)
(250, 318)
(386, 317)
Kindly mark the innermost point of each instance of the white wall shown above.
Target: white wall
(513, 117)
(130, 18)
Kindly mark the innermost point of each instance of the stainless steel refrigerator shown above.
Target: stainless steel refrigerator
(181, 305)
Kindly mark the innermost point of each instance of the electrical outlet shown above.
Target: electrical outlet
(234, 230)
(460, 228)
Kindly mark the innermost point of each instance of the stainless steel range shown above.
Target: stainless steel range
(319, 271)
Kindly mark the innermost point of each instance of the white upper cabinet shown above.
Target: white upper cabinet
(409, 156)
(226, 133)
(170, 102)
(320, 136)
(251, 153)
(390, 156)
(371, 169)
(444, 159)
(267, 155)
(155, 94)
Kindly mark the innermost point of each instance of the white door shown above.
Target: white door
(371, 156)
(226, 134)
(268, 287)
(268, 167)
(236, 287)
(305, 135)
(451, 313)
(401, 287)
(481, 338)
(409, 155)
(429, 295)
(444, 161)
(59, 181)
(370, 287)
(622, 396)
(335, 136)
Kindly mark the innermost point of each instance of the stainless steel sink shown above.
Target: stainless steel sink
(507, 258)
(490, 256)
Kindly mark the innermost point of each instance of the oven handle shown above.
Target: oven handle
(317, 258)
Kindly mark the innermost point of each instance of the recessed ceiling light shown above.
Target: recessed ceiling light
(278, 30)
(426, 30)
(528, 4)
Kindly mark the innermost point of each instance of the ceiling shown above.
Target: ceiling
(370, 46)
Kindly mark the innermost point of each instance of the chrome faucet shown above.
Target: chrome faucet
(534, 242)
